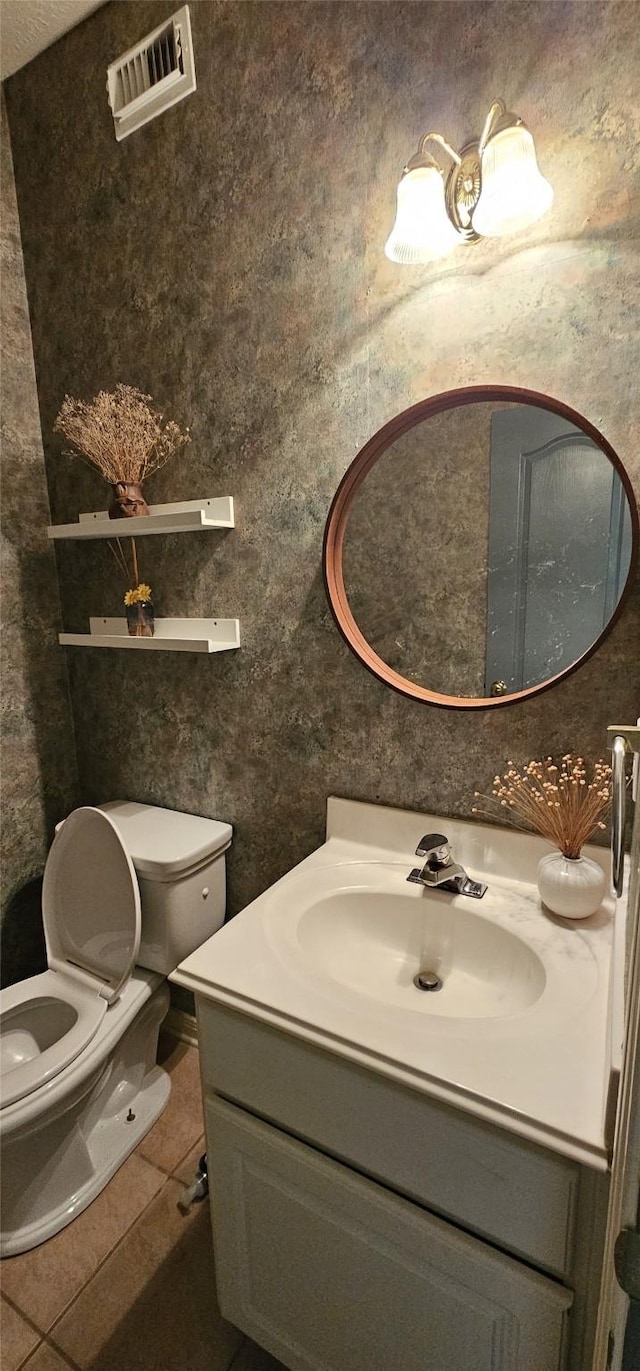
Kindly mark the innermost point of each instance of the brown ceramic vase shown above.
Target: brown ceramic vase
(128, 501)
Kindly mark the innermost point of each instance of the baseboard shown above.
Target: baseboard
(182, 1026)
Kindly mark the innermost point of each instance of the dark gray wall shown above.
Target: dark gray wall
(38, 780)
(415, 552)
(228, 258)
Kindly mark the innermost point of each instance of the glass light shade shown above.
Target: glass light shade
(514, 191)
(422, 231)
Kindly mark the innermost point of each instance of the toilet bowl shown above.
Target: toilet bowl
(129, 890)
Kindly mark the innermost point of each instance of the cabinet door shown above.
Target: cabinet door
(332, 1272)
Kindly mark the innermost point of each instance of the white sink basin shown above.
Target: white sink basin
(363, 929)
(518, 1033)
(376, 942)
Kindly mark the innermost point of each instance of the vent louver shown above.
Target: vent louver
(153, 75)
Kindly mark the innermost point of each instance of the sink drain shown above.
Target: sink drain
(427, 980)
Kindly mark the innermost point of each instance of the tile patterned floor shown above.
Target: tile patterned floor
(130, 1281)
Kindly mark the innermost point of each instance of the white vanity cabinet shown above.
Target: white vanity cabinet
(360, 1225)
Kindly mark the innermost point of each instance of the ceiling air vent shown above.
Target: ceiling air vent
(153, 75)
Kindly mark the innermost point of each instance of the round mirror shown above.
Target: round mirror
(480, 546)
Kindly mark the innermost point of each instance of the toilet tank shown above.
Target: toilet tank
(180, 864)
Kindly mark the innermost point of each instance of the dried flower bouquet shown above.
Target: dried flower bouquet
(123, 437)
(564, 803)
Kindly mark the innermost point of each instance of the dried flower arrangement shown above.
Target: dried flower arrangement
(563, 803)
(120, 435)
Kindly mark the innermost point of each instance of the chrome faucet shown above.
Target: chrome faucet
(440, 872)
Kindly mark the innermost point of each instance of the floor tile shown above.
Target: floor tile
(254, 1358)
(46, 1359)
(152, 1305)
(18, 1338)
(44, 1281)
(180, 1126)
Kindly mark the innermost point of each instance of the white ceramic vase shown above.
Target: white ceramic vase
(573, 887)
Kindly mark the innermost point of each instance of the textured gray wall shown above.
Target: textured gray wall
(38, 780)
(228, 258)
(415, 552)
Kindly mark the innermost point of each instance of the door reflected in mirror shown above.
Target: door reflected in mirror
(480, 546)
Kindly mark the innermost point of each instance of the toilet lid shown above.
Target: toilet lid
(91, 903)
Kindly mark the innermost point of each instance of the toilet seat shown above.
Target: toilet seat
(39, 1004)
(91, 903)
(91, 916)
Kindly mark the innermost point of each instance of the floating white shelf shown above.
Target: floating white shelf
(187, 517)
(171, 635)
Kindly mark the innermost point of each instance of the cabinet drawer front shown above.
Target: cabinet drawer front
(328, 1270)
(517, 1195)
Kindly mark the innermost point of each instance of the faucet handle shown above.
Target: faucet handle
(435, 846)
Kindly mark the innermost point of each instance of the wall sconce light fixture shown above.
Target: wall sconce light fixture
(494, 187)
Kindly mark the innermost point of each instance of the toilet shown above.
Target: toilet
(129, 890)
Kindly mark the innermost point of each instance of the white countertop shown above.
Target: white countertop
(548, 1073)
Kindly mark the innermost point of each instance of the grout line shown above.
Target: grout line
(30, 1354)
(43, 1332)
(106, 1258)
(157, 1166)
(196, 1143)
(44, 1341)
(49, 1337)
(172, 1173)
(64, 1357)
(24, 1316)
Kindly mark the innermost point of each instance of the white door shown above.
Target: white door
(623, 1239)
(559, 546)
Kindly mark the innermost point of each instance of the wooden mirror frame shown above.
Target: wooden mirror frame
(349, 486)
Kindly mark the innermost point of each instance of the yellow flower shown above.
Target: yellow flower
(139, 593)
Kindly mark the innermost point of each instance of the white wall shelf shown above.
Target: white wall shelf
(189, 516)
(171, 635)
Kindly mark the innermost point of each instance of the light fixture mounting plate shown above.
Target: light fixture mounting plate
(462, 191)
